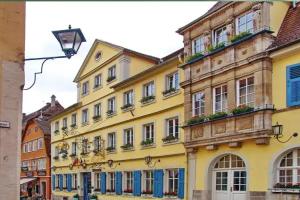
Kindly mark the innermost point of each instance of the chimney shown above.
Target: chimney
(53, 97)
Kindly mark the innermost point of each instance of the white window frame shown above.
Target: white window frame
(65, 122)
(56, 126)
(295, 167)
(167, 178)
(150, 179)
(85, 146)
(111, 104)
(237, 25)
(85, 116)
(111, 181)
(34, 145)
(111, 139)
(201, 45)
(85, 88)
(97, 179)
(174, 83)
(128, 98)
(125, 136)
(238, 91)
(97, 80)
(74, 148)
(152, 131)
(97, 109)
(74, 118)
(128, 179)
(74, 181)
(112, 72)
(216, 40)
(173, 119)
(97, 143)
(201, 108)
(40, 143)
(225, 100)
(149, 89)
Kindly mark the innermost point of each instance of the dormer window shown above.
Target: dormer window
(220, 35)
(244, 23)
(198, 45)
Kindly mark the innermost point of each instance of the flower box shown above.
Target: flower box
(56, 131)
(96, 117)
(93, 197)
(169, 139)
(128, 191)
(147, 142)
(55, 157)
(240, 36)
(170, 194)
(110, 149)
(215, 48)
(127, 106)
(169, 91)
(242, 109)
(110, 112)
(64, 128)
(127, 146)
(72, 155)
(109, 79)
(196, 55)
(217, 115)
(196, 120)
(76, 197)
(147, 99)
(73, 125)
(147, 192)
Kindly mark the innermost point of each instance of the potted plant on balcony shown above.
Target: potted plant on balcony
(73, 125)
(93, 197)
(55, 157)
(110, 149)
(196, 55)
(110, 112)
(127, 146)
(216, 47)
(147, 142)
(169, 139)
(240, 36)
(56, 131)
(169, 91)
(147, 99)
(76, 197)
(196, 120)
(96, 117)
(110, 78)
(64, 128)
(217, 115)
(126, 106)
(242, 109)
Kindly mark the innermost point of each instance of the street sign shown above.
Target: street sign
(4, 124)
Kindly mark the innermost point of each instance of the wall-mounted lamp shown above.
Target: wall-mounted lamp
(148, 161)
(277, 133)
(111, 163)
(70, 40)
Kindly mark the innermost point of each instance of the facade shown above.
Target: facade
(35, 156)
(121, 140)
(12, 46)
(229, 102)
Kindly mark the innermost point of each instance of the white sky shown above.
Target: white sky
(147, 27)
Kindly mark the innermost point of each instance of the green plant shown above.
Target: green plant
(126, 106)
(64, 128)
(147, 98)
(169, 91)
(110, 148)
(96, 117)
(217, 115)
(110, 78)
(55, 157)
(147, 142)
(242, 109)
(64, 155)
(56, 131)
(240, 36)
(109, 112)
(93, 197)
(196, 55)
(127, 146)
(169, 138)
(216, 47)
(73, 125)
(196, 120)
(76, 196)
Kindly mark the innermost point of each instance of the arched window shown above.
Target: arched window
(229, 161)
(288, 171)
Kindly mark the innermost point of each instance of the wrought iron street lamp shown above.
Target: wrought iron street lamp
(70, 41)
(277, 133)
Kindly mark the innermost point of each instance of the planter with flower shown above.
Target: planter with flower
(111, 149)
(110, 112)
(242, 109)
(194, 57)
(170, 139)
(96, 117)
(56, 131)
(127, 106)
(127, 146)
(218, 115)
(147, 99)
(196, 120)
(110, 191)
(216, 47)
(64, 129)
(169, 91)
(147, 142)
(128, 191)
(73, 126)
(240, 36)
(286, 188)
(110, 78)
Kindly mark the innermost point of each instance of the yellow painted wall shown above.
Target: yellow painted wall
(277, 14)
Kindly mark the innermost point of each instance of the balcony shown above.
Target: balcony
(232, 128)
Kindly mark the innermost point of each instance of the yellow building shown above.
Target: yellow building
(121, 140)
(230, 88)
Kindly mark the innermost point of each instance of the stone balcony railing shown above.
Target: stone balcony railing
(232, 130)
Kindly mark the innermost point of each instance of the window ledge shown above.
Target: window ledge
(171, 94)
(112, 151)
(97, 88)
(73, 127)
(84, 124)
(128, 149)
(285, 190)
(128, 109)
(83, 95)
(99, 118)
(174, 142)
(111, 114)
(147, 195)
(146, 103)
(148, 146)
(170, 197)
(110, 193)
(111, 81)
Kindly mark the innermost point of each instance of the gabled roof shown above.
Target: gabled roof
(289, 31)
(213, 9)
(122, 50)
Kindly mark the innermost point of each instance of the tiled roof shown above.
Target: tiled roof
(289, 31)
(213, 9)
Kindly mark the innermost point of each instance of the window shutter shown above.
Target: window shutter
(293, 85)
(53, 181)
(158, 183)
(69, 182)
(103, 182)
(181, 183)
(118, 183)
(137, 183)
(61, 182)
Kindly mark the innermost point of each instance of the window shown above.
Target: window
(172, 127)
(288, 171)
(97, 143)
(128, 182)
(85, 88)
(65, 123)
(148, 89)
(111, 182)
(74, 119)
(29, 146)
(246, 91)
(198, 45)
(74, 148)
(25, 148)
(128, 136)
(40, 143)
(220, 35)
(172, 81)
(148, 182)
(33, 165)
(85, 118)
(97, 181)
(198, 104)
(111, 140)
(97, 81)
(245, 23)
(97, 110)
(41, 164)
(111, 73)
(111, 103)
(128, 98)
(25, 164)
(293, 85)
(220, 99)
(65, 181)
(172, 182)
(84, 146)
(74, 181)
(148, 130)
(34, 145)
(56, 126)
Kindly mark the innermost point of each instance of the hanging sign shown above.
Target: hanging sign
(4, 124)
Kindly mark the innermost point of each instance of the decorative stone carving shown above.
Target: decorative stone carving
(244, 123)
(197, 132)
(207, 40)
(219, 128)
(256, 16)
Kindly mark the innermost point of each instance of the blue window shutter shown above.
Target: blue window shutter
(158, 183)
(181, 183)
(53, 181)
(61, 182)
(293, 85)
(103, 182)
(69, 182)
(137, 183)
(118, 183)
